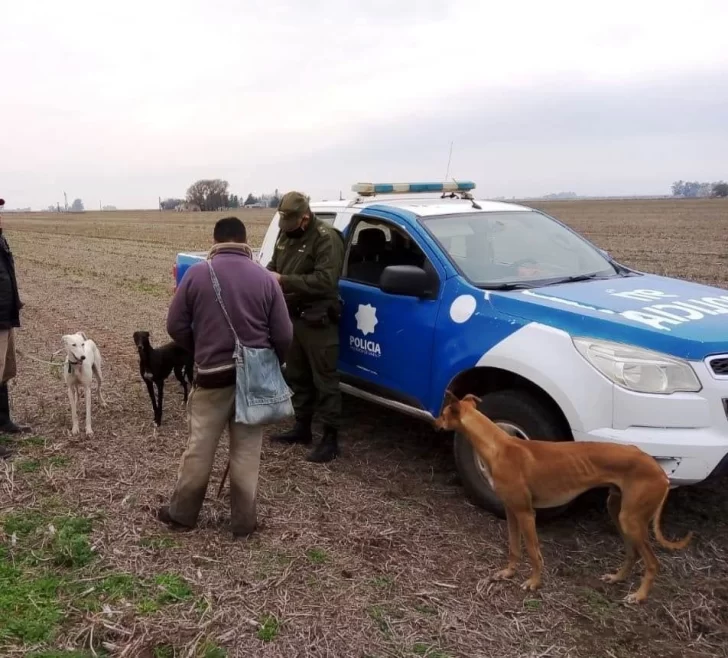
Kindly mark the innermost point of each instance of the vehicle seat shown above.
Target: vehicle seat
(371, 244)
(402, 254)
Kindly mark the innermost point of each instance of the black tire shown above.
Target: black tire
(533, 419)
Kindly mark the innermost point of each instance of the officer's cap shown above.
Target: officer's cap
(292, 207)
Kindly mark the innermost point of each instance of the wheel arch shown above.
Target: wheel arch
(481, 380)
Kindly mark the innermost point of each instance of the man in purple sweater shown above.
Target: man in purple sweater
(257, 309)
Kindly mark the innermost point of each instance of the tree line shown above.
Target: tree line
(214, 194)
(695, 189)
(76, 206)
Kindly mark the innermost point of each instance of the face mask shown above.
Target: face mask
(295, 233)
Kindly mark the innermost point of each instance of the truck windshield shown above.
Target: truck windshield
(516, 248)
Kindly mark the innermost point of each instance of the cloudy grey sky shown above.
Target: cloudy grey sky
(124, 102)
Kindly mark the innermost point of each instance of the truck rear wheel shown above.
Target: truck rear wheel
(522, 415)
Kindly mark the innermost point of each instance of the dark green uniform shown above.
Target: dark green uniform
(310, 266)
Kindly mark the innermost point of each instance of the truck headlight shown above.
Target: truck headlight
(637, 369)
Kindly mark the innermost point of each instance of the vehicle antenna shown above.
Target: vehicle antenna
(449, 158)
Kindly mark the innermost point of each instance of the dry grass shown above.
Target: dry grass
(376, 554)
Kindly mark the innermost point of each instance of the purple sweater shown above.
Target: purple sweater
(254, 302)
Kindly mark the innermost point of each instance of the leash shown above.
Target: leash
(35, 358)
(224, 475)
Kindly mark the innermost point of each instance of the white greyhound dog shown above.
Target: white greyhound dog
(82, 364)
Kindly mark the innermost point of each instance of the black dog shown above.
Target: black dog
(155, 365)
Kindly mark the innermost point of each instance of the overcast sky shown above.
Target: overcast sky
(125, 102)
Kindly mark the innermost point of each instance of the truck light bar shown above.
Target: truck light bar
(370, 189)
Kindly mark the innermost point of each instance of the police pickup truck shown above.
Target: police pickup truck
(442, 290)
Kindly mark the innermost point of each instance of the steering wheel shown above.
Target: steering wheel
(551, 268)
(523, 261)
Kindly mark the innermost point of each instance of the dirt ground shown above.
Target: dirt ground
(377, 554)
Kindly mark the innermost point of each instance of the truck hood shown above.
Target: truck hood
(676, 317)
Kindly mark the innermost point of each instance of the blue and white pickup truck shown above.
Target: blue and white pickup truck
(441, 290)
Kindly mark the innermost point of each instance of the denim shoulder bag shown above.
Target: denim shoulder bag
(262, 396)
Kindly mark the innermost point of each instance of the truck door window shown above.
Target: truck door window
(375, 246)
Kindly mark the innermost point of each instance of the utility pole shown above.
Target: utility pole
(65, 202)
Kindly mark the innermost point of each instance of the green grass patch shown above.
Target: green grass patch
(147, 607)
(28, 466)
(164, 651)
(211, 650)
(71, 547)
(35, 464)
(379, 615)
(317, 555)
(382, 582)
(40, 537)
(424, 649)
(42, 547)
(382, 615)
(146, 595)
(5, 439)
(269, 628)
(44, 579)
(23, 523)
(532, 605)
(173, 588)
(600, 605)
(118, 586)
(158, 543)
(29, 607)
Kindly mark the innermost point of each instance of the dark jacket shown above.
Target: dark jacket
(310, 267)
(10, 303)
(253, 300)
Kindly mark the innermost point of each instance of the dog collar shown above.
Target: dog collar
(73, 363)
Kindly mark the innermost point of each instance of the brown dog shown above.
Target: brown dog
(537, 474)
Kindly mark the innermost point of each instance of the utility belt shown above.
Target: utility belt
(316, 317)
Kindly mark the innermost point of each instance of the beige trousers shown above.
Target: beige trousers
(209, 412)
(8, 366)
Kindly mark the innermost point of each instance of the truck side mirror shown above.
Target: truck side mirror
(408, 280)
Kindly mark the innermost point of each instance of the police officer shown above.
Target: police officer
(10, 306)
(307, 262)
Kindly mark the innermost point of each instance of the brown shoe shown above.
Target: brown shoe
(164, 516)
(244, 533)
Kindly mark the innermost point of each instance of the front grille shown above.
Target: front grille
(719, 365)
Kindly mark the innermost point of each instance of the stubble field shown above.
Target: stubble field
(377, 554)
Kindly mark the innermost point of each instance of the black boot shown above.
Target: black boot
(301, 433)
(7, 426)
(328, 447)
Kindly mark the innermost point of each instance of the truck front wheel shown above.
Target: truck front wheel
(521, 415)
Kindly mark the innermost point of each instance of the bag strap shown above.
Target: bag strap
(218, 294)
